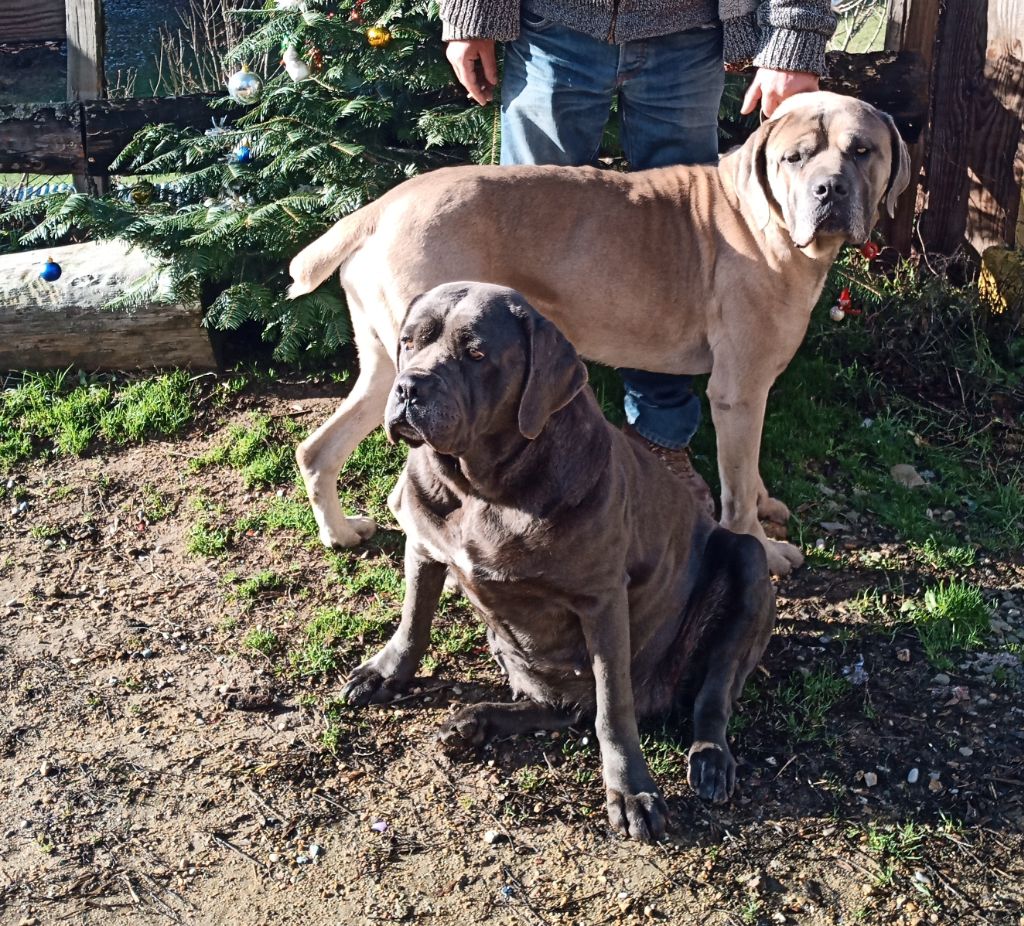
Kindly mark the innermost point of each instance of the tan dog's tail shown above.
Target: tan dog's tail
(317, 261)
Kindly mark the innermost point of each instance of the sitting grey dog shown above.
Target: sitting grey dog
(606, 592)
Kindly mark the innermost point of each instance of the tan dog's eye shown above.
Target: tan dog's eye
(406, 343)
(861, 151)
(793, 158)
(475, 354)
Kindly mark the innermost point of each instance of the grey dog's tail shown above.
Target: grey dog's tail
(317, 261)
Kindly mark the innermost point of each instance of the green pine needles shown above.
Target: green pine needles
(365, 119)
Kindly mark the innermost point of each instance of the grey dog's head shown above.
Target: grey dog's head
(822, 167)
(477, 362)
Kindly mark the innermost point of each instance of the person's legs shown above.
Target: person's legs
(669, 121)
(556, 93)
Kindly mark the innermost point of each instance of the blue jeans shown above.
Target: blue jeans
(556, 95)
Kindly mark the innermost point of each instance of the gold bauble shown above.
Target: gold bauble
(378, 36)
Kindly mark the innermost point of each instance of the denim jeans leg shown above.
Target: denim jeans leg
(669, 122)
(556, 94)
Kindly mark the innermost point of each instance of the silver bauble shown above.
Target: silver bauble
(244, 86)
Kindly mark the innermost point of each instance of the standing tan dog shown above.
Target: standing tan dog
(675, 270)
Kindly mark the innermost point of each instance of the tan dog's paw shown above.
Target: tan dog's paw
(712, 771)
(783, 557)
(771, 509)
(641, 815)
(350, 533)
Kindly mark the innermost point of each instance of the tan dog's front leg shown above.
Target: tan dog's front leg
(635, 807)
(738, 413)
(322, 455)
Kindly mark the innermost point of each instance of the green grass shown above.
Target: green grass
(952, 617)
(155, 505)
(264, 642)
(805, 701)
(370, 474)
(933, 554)
(284, 513)
(901, 842)
(258, 585)
(205, 539)
(64, 415)
(665, 753)
(330, 632)
(263, 451)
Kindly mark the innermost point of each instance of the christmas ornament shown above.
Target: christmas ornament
(50, 271)
(244, 86)
(242, 153)
(836, 314)
(142, 193)
(315, 57)
(843, 307)
(297, 68)
(290, 5)
(870, 250)
(378, 36)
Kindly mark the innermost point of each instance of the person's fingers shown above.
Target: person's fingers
(752, 96)
(464, 60)
(770, 101)
(489, 61)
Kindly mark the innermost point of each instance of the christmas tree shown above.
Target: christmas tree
(357, 97)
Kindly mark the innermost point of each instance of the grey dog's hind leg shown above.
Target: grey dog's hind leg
(741, 597)
(478, 723)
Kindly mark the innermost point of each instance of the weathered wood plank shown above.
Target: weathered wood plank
(31, 20)
(997, 147)
(42, 138)
(61, 324)
(958, 75)
(86, 77)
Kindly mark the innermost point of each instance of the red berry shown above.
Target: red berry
(870, 250)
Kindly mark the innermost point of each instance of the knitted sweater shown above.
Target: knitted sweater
(787, 35)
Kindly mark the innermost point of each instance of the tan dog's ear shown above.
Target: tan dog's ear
(899, 172)
(752, 175)
(554, 374)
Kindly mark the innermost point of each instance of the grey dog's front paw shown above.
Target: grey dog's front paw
(468, 727)
(367, 686)
(642, 815)
(712, 771)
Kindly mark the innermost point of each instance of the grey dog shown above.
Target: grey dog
(607, 594)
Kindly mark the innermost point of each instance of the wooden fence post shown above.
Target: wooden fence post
(997, 145)
(86, 76)
(917, 34)
(955, 91)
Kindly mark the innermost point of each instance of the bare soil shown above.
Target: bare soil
(154, 769)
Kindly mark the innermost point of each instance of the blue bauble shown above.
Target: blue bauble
(242, 154)
(51, 271)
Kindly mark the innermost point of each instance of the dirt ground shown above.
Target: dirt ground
(153, 768)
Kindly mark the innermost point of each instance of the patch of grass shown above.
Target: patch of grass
(44, 532)
(938, 556)
(281, 514)
(265, 642)
(952, 617)
(370, 474)
(257, 585)
(378, 578)
(458, 638)
(155, 505)
(263, 451)
(900, 842)
(806, 700)
(530, 778)
(330, 627)
(65, 415)
(206, 540)
(665, 753)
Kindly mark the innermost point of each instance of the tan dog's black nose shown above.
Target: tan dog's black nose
(831, 188)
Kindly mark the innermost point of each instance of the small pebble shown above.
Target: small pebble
(913, 775)
(941, 679)
(274, 857)
(903, 655)
(966, 751)
(301, 860)
(492, 836)
(314, 850)
(870, 779)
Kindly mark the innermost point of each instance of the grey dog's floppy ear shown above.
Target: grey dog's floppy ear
(899, 172)
(752, 175)
(554, 373)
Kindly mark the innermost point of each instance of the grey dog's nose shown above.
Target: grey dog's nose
(412, 388)
(832, 188)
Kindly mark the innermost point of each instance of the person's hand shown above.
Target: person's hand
(476, 67)
(772, 87)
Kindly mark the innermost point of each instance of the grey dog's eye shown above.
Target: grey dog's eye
(475, 354)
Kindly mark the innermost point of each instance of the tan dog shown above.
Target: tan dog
(676, 270)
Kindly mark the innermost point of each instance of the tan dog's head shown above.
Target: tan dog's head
(821, 167)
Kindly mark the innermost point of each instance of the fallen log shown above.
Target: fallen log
(64, 323)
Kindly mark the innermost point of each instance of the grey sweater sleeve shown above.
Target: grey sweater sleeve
(480, 19)
(786, 35)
